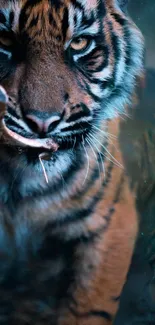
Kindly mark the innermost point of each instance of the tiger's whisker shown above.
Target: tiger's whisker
(74, 144)
(89, 142)
(105, 133)
(113, 158)
(43, 168)
(63, 181)
(100, 154)
(88, 162)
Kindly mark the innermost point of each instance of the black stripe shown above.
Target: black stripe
(32, 3)
(119, 190)
(85, 108)
(126, 36)
(116, 299)
(23, 18)
(92, 313)
(75, 19)
(109, 83)
(19, 130)
(11, 18)
(74, 216)
(104, 54)
(102, 66)
(94, 97)
(52, 20)
(101, 10)
(81, 214)
(33, 22)
(116, 50)
(65, 23)
(107, 218)
(76, 127)
(84, 72)
(87, 22)
(23, 15)
(55, 3)
(94, 176)
(101, 314)
(2, 18)
(77, 116)
(128, 55)
(12, 112)
(91, 236)
(94, 235)
(119, 19)
(11, 123)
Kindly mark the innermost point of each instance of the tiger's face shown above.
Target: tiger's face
(66, 66)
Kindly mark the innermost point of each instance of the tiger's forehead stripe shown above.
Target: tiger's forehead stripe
(63, 19)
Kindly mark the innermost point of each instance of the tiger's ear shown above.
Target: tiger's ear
(122, 4)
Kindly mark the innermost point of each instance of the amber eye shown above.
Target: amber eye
(79, 44)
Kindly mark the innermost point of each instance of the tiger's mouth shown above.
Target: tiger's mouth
(49, 143)
(36, 143)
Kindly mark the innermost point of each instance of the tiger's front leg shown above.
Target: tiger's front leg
(103, 267)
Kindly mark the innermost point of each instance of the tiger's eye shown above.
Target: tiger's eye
(79, 44)
(6, 41)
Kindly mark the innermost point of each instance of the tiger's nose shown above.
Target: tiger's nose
(44, 123)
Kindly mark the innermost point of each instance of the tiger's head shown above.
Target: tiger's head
(66, 66)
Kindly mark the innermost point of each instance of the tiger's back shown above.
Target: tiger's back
(68, 219)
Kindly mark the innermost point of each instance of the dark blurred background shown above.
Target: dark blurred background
(143, 13)
(138, 145)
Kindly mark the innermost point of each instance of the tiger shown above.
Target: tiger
(68, 220)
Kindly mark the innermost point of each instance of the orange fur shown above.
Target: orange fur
(93, 217)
